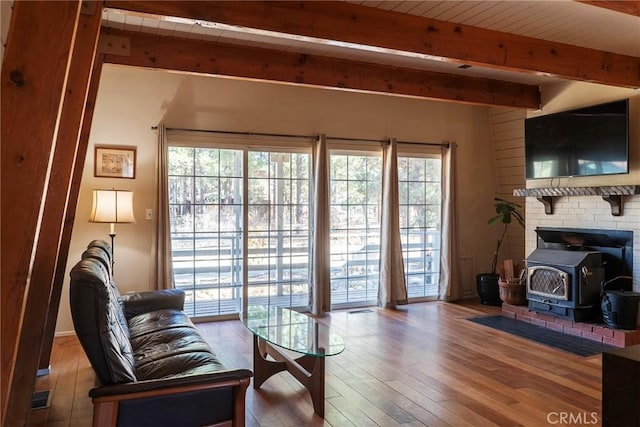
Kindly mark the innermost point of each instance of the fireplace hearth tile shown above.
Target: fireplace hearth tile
(597, 332)
(572, 344)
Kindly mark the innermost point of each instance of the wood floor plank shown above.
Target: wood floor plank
(422, 365)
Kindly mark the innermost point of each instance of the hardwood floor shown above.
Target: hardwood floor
(424, 364)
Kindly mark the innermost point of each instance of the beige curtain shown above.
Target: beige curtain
(161, 271)
(449, 287)
(393, 289)
(320, 289)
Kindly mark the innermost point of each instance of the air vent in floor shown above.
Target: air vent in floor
(40, 399)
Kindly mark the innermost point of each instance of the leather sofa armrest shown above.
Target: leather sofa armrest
(164, 386)
(145, 302)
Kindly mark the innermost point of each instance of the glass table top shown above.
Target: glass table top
(292, 330)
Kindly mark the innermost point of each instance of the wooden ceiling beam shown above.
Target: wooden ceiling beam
(173, 53)
(43, 296)
(629, 7)
(459, 43)
(35, 80)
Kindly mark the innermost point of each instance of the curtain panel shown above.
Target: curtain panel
(392, 290)
(161, 269)
(320, 286)
(450, 288)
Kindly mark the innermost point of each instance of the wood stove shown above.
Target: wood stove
(565, 282)
(565, 273)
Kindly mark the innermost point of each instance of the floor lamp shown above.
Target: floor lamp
(113, 207)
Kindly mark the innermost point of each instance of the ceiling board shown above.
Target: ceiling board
(617, 32)
(630, 7)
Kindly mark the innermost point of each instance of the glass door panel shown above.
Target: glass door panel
(278, 233)
(205, 210)
(420, 195)
(355, 191)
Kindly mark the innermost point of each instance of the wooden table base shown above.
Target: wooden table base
(308, 370)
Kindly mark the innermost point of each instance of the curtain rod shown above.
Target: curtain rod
(284, 135)
(436, 144)
(279, 135)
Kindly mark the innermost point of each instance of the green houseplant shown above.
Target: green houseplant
(487, 283)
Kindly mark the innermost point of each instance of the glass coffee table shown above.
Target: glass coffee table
(278, 334)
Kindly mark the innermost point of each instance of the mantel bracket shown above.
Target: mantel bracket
(612, 194)
(615, 200)
(547, 201)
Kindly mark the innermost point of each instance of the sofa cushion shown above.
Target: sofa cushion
(158, 320)
(137, 303)
(175, 351)
(158, 345)
(97, 319)
(106, 250)
(180, 365)
(179, 337)
(101, 255)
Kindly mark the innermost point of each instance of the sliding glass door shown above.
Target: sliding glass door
(209, 227)
(355, 191)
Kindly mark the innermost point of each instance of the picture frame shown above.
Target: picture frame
(115, 162)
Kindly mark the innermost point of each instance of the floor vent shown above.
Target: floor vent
(41, 399)
(364, 310)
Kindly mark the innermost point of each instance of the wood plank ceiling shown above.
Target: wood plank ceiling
(482, 52)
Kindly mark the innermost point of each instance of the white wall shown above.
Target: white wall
(590, 211)
(131, 101)
(507, 131)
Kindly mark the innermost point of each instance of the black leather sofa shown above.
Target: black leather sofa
(153, 368)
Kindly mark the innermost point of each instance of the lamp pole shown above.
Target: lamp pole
(112, 234)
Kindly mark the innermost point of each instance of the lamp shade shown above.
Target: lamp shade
(113, 206)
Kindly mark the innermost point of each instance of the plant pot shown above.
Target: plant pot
(513, 293)
(488, 290)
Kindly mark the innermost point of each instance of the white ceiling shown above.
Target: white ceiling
(564, 21)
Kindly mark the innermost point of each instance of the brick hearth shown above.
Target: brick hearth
(589, 330)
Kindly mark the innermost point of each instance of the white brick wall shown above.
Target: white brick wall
(586, 212)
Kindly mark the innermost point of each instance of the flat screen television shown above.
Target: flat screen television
(581, 142)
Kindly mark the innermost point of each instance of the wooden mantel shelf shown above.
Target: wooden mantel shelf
(611, 194)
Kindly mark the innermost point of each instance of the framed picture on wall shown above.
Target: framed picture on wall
(115, 162)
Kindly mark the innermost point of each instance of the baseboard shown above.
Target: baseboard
(65, 334)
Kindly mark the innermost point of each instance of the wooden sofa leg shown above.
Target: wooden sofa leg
(105, 413)
(239, 397)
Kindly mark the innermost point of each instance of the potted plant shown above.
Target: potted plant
(487, 283)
